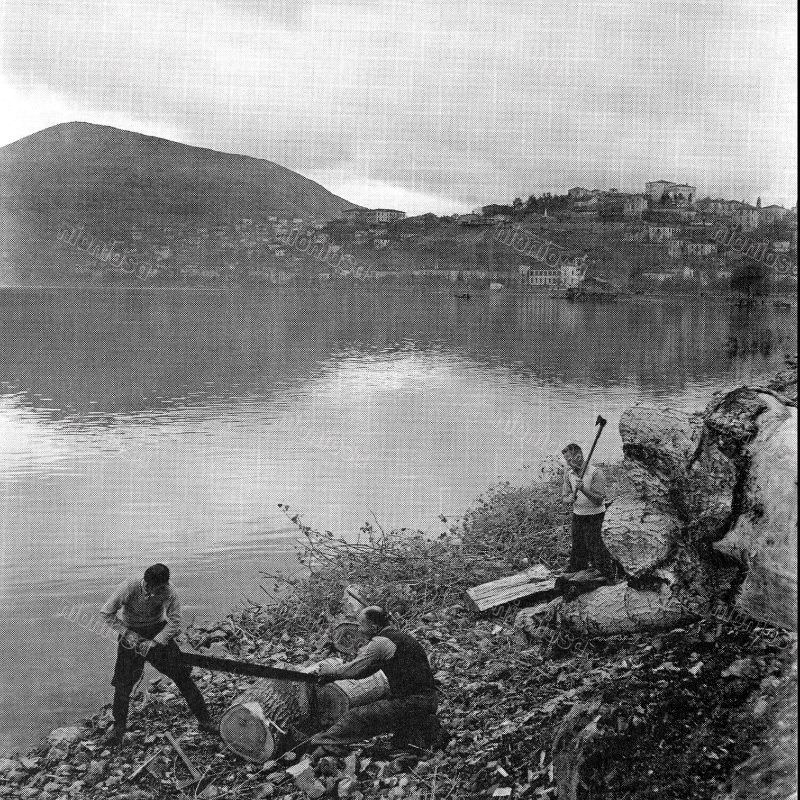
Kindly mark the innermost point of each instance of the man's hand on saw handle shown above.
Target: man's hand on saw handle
(133, 641)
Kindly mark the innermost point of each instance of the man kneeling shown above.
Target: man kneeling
(410, 710)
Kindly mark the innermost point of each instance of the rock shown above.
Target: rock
(65, 736)
(57, 754)
(741, 668)
(326, 766)
(95, 769)
(764, 538)
(16, 776)
(9, 765)
(640, 533)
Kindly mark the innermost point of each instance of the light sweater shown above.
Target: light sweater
(141, 612)
(594, 482)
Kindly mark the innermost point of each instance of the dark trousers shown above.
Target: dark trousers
(412, 719)
(588, 549)
(167, 660)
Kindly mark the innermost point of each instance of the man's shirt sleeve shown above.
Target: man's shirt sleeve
(566, 488)
(368, 660)
(113, 605)
(173, 611)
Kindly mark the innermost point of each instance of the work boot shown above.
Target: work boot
(115, 737)
(207, 725)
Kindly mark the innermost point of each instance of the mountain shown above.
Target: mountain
(97, 175)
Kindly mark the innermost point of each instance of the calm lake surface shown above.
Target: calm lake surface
(140, 427)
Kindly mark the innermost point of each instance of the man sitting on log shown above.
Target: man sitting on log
(588, 497)
(410, 710)
(151, 618)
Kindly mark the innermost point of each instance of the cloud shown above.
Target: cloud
(467, 103)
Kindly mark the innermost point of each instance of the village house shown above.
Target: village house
(380, 243)
(588, 207)
(385, 215)
(770, 214)
(679, 194)
(746, 217)
(691, 247)
(661, 233)
(544, 277)
(701, 249)
(781, 246)
(718, 207)
(659, 276)
(634, 205)
(675, 248)
(354, 215)
(471, 219)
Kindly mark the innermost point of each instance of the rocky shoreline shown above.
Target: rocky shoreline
(702, 708)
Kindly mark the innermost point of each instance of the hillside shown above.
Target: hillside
(105, 177)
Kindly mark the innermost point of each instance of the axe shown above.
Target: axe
(602, 423)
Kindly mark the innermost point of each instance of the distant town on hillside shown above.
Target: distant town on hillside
(665, 238)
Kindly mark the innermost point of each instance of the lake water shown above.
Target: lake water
(167, 426)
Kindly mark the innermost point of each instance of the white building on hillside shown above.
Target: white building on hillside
(680, 194)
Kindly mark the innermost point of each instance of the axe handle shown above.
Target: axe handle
(586, 463)
(195, 773)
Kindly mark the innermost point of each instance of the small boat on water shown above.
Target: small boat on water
(782, 305)
(495, 286)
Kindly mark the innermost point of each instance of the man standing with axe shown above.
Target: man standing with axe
(585, 487)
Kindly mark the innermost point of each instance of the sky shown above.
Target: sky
(426, 105)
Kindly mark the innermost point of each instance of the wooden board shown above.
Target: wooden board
(530, 583)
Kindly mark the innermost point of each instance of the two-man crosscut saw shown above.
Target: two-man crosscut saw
(246, 668)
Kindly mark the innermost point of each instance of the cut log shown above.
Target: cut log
(534, 583)
(346, 637)
(272, 716)
(335, 699)
(257, 725)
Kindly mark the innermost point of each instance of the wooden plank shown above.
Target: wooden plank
(508, 594)
(538, 572)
